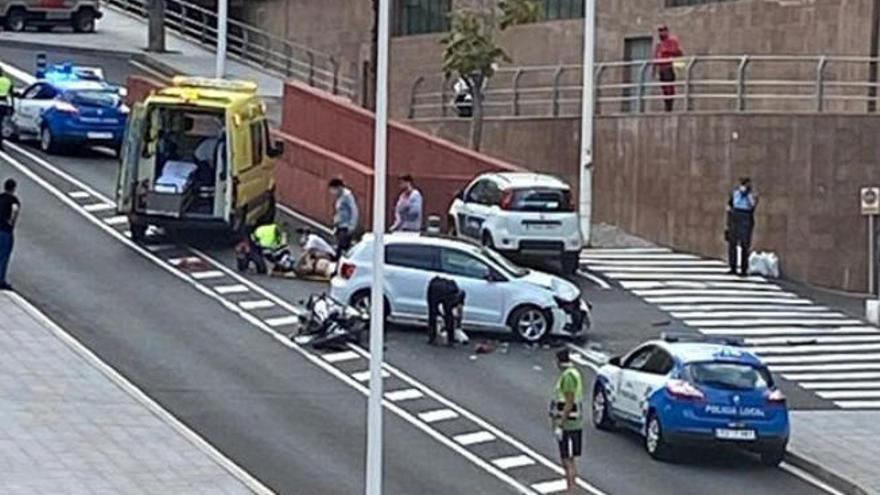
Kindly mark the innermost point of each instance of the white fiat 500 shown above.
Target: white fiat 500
(500, 296)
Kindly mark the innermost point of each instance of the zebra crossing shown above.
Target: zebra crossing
(831, 354)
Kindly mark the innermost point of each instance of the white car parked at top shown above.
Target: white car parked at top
(499, 295)
(519, 213)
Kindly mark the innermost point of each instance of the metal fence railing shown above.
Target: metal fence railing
(251, 45)
(747, 83)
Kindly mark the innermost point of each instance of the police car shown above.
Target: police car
(69, 106)
(675, 392)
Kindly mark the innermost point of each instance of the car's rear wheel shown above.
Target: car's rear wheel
(655, 442)
(773, 457)
(83, 21)
(138, 232)
(530, 323)
(601, 419)
(48, 143)
(16, 20)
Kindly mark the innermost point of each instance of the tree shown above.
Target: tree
(471, 53)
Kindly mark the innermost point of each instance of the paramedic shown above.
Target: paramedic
(272, 241)
(5, 101)
(345, 215)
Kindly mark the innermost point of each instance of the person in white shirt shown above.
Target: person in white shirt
(408, 211)
(316, 257)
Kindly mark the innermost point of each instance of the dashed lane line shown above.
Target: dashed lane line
(474, 438)
(443, 414)
(231, 289)
(207, 274)
(282, 321)
(514, 461)
(338, 357)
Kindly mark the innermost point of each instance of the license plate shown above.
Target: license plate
(99, 135)
(741, 435)
(538, 226)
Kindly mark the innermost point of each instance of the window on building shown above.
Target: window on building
(420, 16)
(563, 9)
(688, 3)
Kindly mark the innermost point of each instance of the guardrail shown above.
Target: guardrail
(740, 83)
(250, 45)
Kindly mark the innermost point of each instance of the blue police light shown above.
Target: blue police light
(67, 72)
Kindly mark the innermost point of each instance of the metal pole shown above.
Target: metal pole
(377, 309)
(871, 263)
(587, 113)
(222, 26)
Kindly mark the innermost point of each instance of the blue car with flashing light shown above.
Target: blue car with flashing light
(69, 106)
(675, 392)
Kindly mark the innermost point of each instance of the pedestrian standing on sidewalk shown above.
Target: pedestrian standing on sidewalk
(740, 224)
(667, 49)
(408, 211)
(567, 417)
(5, 102)
(345, 216)
(9, 208)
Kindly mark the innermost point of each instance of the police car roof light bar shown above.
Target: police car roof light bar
(681, 337)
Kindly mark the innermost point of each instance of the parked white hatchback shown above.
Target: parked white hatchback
(500, 296)
(518, 212)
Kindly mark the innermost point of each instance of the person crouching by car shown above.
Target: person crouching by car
(271, 240)
(444, 295)
(316, 259)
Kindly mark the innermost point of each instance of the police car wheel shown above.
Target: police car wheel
(601, 419)
(16, 20)
(84, 21)
(773, 457)
(655, 443)
(530, 323)
(47, 140)
(8, 128)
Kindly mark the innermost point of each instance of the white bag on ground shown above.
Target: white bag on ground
(765, 264)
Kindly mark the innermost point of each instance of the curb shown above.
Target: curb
(58, 47)
(833, 479)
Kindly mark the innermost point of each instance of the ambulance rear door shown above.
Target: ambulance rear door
(132, 146)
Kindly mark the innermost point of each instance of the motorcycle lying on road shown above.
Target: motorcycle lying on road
(330, 324)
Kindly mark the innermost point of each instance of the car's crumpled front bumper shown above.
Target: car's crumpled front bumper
(571, 317)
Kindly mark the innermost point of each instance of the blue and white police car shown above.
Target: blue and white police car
(675, 392)
(69, 106)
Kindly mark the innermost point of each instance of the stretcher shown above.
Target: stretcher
(173, 191)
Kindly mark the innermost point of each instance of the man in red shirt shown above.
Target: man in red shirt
(667, 49)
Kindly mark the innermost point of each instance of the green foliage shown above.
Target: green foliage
(469, 48)
(516, 12)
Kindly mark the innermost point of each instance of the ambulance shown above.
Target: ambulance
(198, 155)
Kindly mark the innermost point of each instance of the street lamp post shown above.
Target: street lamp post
(587, 113)
(222, 27)
(377, 306)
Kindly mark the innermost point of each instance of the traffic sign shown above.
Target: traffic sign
(870, 197)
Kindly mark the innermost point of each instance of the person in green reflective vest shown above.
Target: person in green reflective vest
(272, 241)
(5, 101)
(566, 414)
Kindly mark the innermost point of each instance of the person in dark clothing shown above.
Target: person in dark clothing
(444, 294)
(740, 224)
(9, 208)
(667, 49)
(345, 216)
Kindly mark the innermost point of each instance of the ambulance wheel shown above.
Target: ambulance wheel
(16, 20)
(84, 21)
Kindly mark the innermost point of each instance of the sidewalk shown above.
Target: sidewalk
(70, 424)
(118, 32)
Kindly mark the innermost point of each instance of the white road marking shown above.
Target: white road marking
(257, 304)
(96, 207)
(595, 279)
(822, 358)
(589, 251)
(818, 339)
(139, 395)
(285, 341)
(696, 298)
(742, 307)
(184, 260)
(676, 276)
(155, 248)
(474, 438)
(766, 295)
(79, 194)
(755, 314)
(629, 256)
(231, 289)
(757, 322)
(825, 367)
(338, 357)
(663, 270)
(282, 321)
(857, 394)
(513, 461)
(809, 478)
(785, 330)
(697, 285)
(206, 274)
(404, 394)
(653, 263)
(117, 220)
(864, 375)
(553, 486)
(840, 385)
(364, 376)
(858, 404)
(443, 414)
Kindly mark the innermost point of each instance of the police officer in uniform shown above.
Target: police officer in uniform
(740, 224)
(567, 417)
(5, 101)
(445, 295)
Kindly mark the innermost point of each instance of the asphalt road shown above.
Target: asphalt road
(286, 420)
